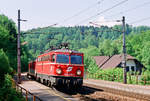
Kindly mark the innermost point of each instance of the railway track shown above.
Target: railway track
(118, 95)
(91, 92)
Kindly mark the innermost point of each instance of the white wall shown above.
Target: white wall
(131, 63)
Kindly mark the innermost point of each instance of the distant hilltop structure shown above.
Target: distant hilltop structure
(103, 22)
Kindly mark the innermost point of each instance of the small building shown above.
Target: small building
(107, 62)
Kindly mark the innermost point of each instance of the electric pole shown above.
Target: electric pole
(124, 53)
(18, 50)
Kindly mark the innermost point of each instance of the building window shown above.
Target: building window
(127, 68)
(132, 68)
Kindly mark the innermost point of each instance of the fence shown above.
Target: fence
(131, 79)
(28, 95)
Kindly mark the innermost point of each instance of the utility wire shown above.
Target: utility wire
(103, 11)
(36, 33)
(131, 9)
(140, 20)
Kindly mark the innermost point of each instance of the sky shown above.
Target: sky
(43, 13)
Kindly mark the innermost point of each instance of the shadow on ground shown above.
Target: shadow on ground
(73, 91)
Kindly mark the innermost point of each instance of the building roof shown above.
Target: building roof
(106, 62)
(100, 60)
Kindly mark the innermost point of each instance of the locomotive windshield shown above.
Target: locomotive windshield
(76, 59)
(62, 58)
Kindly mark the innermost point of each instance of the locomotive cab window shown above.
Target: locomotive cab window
(62, 58)
(76, 59)
(53, 58)
(39, 59)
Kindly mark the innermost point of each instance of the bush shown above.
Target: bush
(4, 63)
(115, 74)
(145, 77)
(4, 66)
(8, 93)
(109, 74)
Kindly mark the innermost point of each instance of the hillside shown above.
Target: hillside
(78, 37)
(91, 40)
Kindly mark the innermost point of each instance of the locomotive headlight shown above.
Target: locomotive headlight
(58, 71)
(78, 72)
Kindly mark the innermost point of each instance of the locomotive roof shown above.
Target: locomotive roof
(62, 50)
(66, 50)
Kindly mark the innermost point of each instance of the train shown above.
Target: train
(63, 67)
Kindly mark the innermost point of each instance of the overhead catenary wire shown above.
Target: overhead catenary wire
(52, 25)
(108, 27)
(130, 9)
(107, 21)
(82, 11)
(75, 15)
(99, 2)
(122, 2)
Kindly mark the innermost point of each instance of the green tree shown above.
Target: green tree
(92, 68)
(4, 66)
(8, 39)
(108, 48)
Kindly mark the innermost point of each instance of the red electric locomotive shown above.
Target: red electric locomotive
(58, 67)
